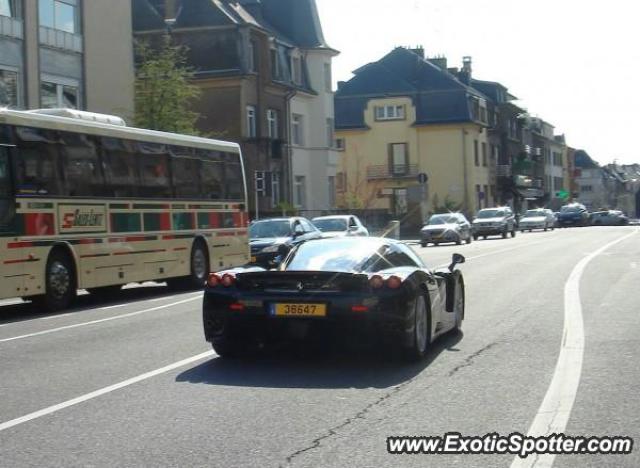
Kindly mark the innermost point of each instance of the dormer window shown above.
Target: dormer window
(389, 113)
(296, 70)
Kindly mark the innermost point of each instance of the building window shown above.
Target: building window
(399, 158)
(389, 112)
(251, 56)
(8, 88)
(9, 8)
(330, 133)
(328, 80)
(300, 191)
(252, 129)
(272, 123)
(297, 130)
(478, 197)
(400, 205)
(331, 183)
(586, 188)
(296, 70)
(275, 189)
(59, 14)
(54, 94)
(476, 156)
(341, 182)
(484, 154)
(275, 64)
(485, 195)
(340, 144)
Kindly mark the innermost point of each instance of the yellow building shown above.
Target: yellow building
(402, 118)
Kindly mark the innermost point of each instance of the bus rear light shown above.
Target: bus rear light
(359, 308)
(393, 282)
(228, 280)
(237, 307)
(214, 280)
(376, 281)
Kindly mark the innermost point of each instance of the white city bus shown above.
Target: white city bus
(88, 203)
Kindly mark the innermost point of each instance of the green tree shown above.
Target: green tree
(163, 90)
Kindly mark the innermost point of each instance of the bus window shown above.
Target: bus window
(7, 207)
(38, 165)
(186, 173)
(153, 163)
(233, 177)
(82, 168)
(120, 167)
(212, 176)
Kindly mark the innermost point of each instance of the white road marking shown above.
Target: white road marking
(103, 391)
(488, 254)
(554, 412)
(94, 322)
(57, 316)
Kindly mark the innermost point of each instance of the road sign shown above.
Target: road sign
(562, 194)
(423, 178)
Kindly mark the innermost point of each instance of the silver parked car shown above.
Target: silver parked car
(340, 226)
(609, 218)
(449, 227)
(537, 219)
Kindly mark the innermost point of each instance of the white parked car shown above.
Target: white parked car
(340, 226)
(609, 218)
(537, 219)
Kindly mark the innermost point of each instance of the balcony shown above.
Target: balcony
(385, 171)
(60, 39)
(11, 27)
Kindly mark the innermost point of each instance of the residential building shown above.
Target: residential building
(594, 185)
(260, 67)
(627, 188)
(402, 120)
(67, 53)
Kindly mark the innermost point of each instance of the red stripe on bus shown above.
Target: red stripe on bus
(180, 249)
(19, 245)
(39, 224)
(22, 260)
(139, 252)
(168, 237)
(226, 234)
(165, 221)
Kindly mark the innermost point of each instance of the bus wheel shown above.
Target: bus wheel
(199, 265)
(60, 283)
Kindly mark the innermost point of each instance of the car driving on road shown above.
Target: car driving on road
(442, 228)
(609, 218)
(494, 222)
(272, 239)
(372, 285)
(537, 219)
(340, 226)
(574, 214)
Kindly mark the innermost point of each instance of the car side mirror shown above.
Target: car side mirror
(298, 231)
(456, 259)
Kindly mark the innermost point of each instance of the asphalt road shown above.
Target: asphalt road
(79, 389)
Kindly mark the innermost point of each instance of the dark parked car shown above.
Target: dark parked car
(272, 239)
(362, 284)
(494, 222)
(574, 214)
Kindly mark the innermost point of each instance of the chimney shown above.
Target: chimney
(440, 62)
(418, 51)
(466, 65)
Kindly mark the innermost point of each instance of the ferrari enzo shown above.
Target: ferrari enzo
(379, 286)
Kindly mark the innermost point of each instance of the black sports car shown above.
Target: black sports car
(373, 284)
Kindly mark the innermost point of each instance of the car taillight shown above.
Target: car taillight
(393, 282)
(376, 282)
(213, 280)
(228, 280)
(359, 308)
(237, 307)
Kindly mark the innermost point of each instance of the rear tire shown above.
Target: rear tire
(421, 338)
(198, 267)
(459, 303)
(60, 283)
(504, 234)
(468, 240)
(513, 233)
(423, 244)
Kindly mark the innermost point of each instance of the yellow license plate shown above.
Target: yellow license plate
(253, 259)
(300, 310)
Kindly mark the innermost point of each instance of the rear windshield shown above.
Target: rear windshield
(331, 225)
(261, 229)
(341, 256)
(491, 214)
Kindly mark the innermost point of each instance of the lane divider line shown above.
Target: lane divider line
(496, 252)
(553, 415)
(94, 322)
(103, 391)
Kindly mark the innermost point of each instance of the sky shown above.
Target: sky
(576, 64)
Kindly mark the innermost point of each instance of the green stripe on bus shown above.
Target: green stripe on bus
(183, 221)
(126, 222)
(40, 206)
(152, 222)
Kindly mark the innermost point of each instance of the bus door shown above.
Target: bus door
(11, 262)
